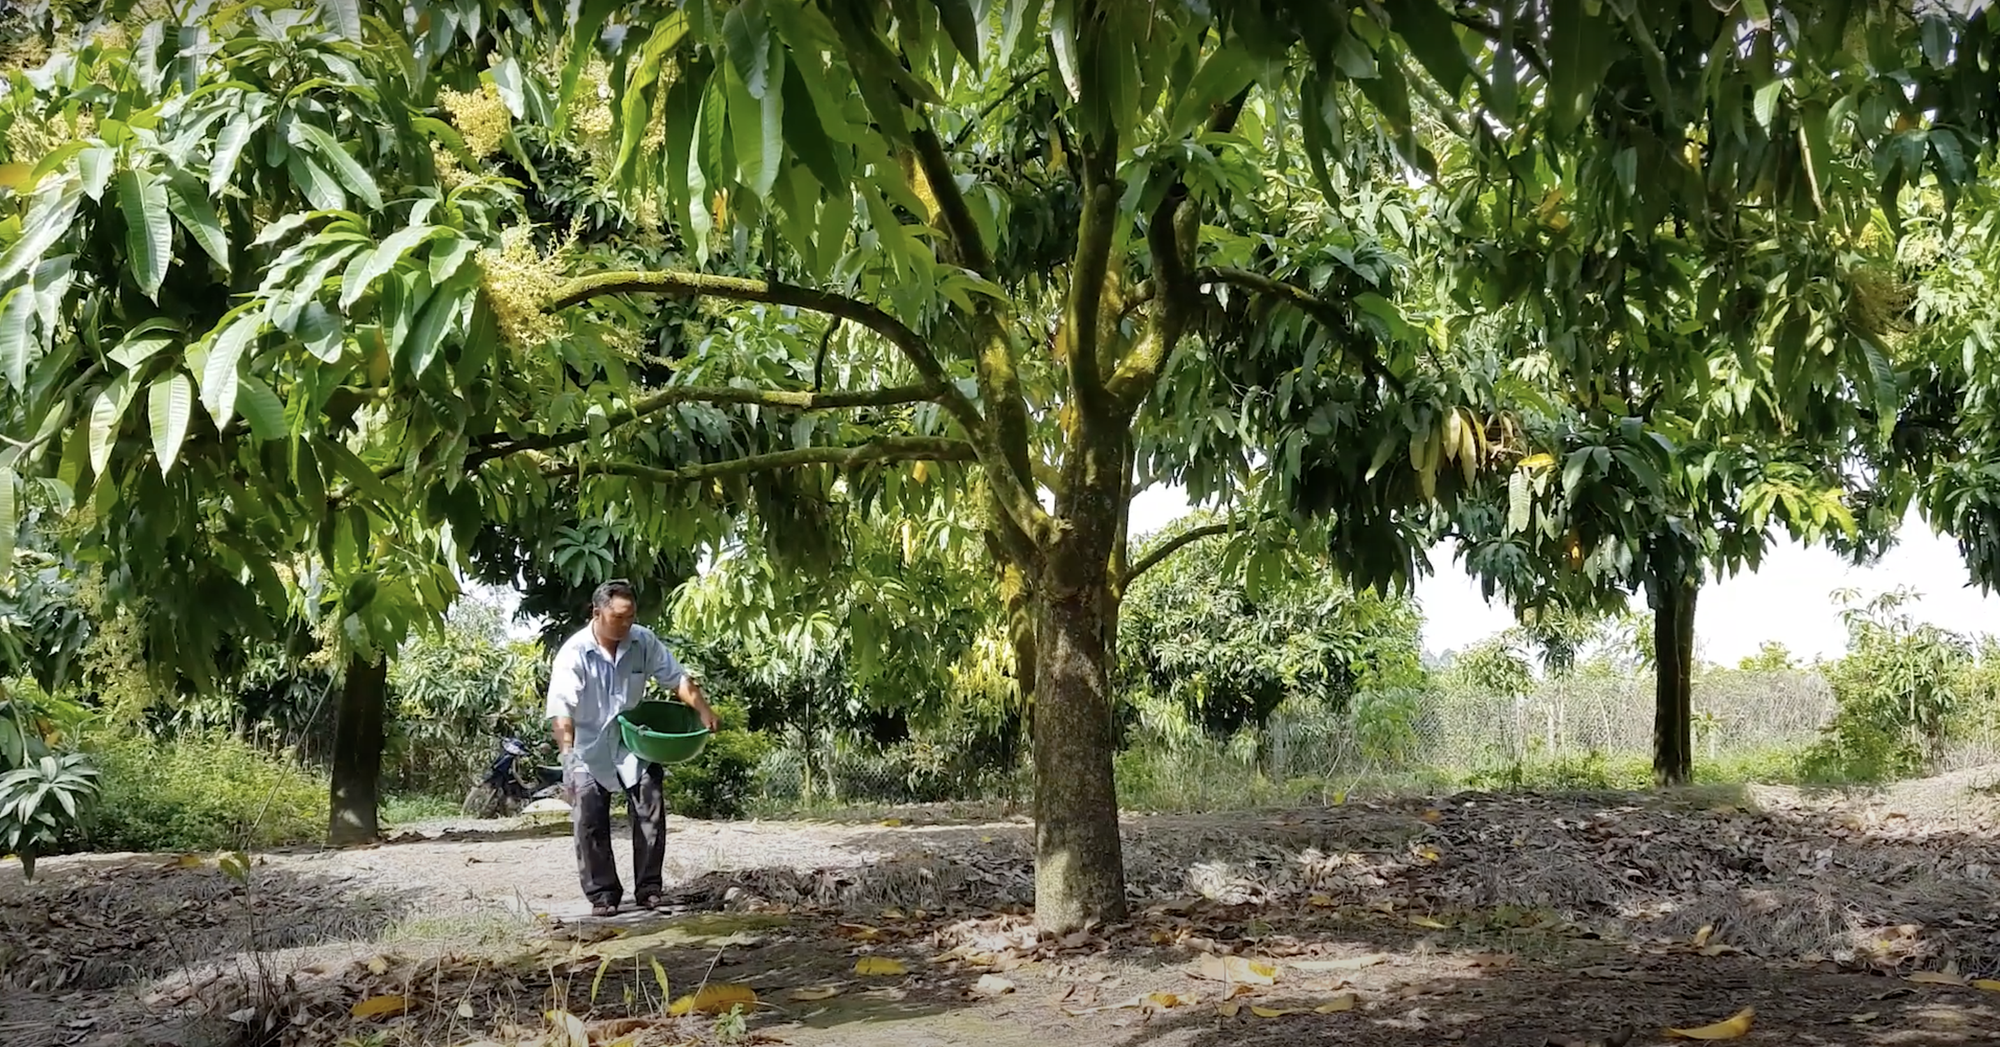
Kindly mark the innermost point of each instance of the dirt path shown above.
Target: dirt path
(1481, 919)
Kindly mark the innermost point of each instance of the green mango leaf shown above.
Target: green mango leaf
(262, 409)
(170, 405)
(221, 373)
(962, 26)
(347, 170)
(10, 521)
(105, 415)
(188, 204)
(1227, 70)
(1432, 37)
(17, 311)
(746, 34)
(757, 127)
(319, 187)
(344, 16)
(372, 266)
(229, 148)
(149, 231)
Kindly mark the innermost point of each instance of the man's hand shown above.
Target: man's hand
(690, 692)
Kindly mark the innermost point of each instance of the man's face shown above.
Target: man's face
(614, 620)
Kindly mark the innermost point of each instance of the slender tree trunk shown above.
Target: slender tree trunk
(1079, 859)
(1673, 680)
(357, 752)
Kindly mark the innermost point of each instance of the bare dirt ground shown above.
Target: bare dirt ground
(1518, 919)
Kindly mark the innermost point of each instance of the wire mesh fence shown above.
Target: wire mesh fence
(1584, 730)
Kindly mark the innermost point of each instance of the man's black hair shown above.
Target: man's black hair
(615, 589)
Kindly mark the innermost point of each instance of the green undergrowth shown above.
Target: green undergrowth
(201, 793)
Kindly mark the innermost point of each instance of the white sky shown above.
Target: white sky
(1787, 600)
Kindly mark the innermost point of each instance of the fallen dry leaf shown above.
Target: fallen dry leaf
(1351, 963)
(1433, 815)
(1228, 1008)
(1736, 1027)
(714, 999)
(381, 1007)
(813, 995)
(465, 1010)
(378, 965)
(993, 985)
(1935, 978)
(880, 966)
(1865, 1017)
(186, 861)
(1168, 999)
(1320, 901)
(571, 1028)
(1988, 984)
(1701, 936)
(1237, 969)
(1344, 1002)
(891, 823)
(1433, 924)
(1269, 1012)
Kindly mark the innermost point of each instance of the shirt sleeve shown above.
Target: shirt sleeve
(667, 669)
(565, 685)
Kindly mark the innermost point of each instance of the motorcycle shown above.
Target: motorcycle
(511, 783)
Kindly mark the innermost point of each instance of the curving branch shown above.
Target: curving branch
(1182, 541)
(885, 449)
(498, 446)
(707, 285)
(1318, 308)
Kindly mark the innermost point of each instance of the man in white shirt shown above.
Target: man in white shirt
(599, 672)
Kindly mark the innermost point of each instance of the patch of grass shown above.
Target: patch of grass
(201, 793)
(464, 930)
(403, 809)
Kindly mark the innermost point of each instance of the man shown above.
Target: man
(598, 673)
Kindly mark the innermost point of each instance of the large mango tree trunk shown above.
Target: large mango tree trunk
(1672, 591)
(357, 751)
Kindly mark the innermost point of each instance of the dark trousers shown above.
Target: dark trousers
(590, 819)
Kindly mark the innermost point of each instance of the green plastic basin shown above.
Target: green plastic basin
(662, 732)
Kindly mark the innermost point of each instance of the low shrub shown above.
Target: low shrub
(721, 782)
(201, 793)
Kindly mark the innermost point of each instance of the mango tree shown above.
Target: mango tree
(1699, 301)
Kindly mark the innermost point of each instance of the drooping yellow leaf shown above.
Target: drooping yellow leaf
(812, 995)
(381, 1007)
(1238, 969)
(714, 999)
(880, 966)
(660, 979)
(569, 1029)
(1735, 1028)
(1269, 1012)
(1344, 1002)
(1537, 461)
(598, 982)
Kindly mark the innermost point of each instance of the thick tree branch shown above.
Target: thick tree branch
(1318, 308)
(706, 285)
(889, 396)
(499, 446)
(1095, 230)
(885, 449)
(1179, 542)
(1170, 236)
(936, 166)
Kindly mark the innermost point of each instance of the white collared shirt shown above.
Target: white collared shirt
(591, 688)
